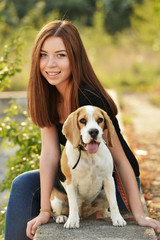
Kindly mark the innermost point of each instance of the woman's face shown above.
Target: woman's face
(54, 61)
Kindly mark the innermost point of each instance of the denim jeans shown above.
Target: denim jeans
(24, 204)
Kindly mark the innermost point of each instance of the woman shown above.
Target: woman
(61, 80)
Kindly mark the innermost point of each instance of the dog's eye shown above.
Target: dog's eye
(100, 120)
(83, 121)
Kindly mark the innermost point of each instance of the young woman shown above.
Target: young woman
(61, 80)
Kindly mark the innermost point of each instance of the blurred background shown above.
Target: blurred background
(122, 39)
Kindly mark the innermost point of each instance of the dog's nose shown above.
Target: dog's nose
(93, 132)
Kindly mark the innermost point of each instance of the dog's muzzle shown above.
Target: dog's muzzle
(92, 146)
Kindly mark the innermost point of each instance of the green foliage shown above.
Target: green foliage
(146, 26)
(74, 10)
(8, 13)
(117, 13)
(8, 20)
(10, 62)
(2, 221)
(129, 61)
(32, 18)
(22, 6)
(23, 135)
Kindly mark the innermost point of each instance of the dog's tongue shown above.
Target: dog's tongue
(92, 147)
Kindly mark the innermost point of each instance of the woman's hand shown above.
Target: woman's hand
(32, 225)
(149, 222)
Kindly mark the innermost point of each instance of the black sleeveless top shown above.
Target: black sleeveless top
(89, 96)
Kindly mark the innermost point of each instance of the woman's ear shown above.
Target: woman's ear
(71, 130)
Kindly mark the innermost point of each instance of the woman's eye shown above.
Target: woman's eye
(100, 120)
(43, 54)
(83, 121)
(61, 55)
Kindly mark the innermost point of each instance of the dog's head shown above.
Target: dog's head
(85, 126)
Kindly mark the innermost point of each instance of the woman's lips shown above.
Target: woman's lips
(52, 74)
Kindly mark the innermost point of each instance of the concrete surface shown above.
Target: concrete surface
(94, 229)
(97, 230)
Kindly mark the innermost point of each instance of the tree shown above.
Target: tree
(118, 14)
(145, 25)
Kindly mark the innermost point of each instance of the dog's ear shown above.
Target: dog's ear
(108, 125)
(71, 130)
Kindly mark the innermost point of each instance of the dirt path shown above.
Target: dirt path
(144, 138)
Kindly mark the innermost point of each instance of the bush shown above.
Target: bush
(10, 62)
(26, 138)
(23, 135)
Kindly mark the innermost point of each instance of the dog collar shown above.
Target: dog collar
(80, 148)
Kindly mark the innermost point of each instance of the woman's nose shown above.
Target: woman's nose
(51, 61)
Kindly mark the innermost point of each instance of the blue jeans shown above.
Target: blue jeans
(24, 204)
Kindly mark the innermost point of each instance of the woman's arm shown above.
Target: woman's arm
(50, 154)
(130, 184)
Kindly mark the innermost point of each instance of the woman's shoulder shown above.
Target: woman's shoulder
(88, 95)
(87, 89)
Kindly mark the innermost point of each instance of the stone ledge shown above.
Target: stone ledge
(94, 229)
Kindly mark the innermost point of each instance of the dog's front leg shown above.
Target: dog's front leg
(109, 188)
(73, 219)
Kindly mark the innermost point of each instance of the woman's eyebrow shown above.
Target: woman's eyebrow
(55, 52)
(43, 50)
(60, 51)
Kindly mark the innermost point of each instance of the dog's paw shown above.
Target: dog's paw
(61, 219)
(118, 221)
(72, 222)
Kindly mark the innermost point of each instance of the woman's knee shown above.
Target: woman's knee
(26, 181)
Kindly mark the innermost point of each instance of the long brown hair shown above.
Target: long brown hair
(42, 97)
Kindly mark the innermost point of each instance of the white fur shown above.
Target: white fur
(92, 172)
(90, 124)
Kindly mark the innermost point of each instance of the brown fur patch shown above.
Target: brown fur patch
(82, 114)
(98, 114)
(72, 126)
(59, 195)
(65, 168)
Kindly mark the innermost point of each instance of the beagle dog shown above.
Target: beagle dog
(87, 168)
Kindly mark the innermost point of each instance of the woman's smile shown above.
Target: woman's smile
(53, 74)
